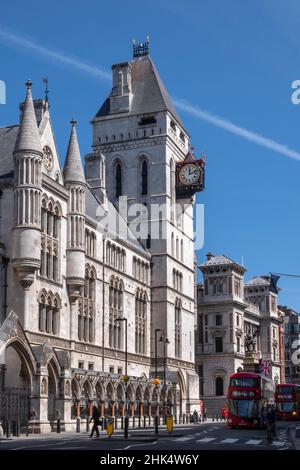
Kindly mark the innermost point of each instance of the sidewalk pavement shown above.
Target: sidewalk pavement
(133, 432)
(295, 440)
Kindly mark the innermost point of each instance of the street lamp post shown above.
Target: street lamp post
(126, 420)
(155, 349)
(165, 341)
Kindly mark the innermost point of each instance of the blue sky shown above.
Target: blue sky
(237, 63)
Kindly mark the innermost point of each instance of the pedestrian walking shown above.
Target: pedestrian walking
(271, 423)
(96, 420)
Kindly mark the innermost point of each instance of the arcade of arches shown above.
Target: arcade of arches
(45, 388)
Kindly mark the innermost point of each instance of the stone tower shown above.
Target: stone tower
(75, 182)
(27, 157)
(138, 131)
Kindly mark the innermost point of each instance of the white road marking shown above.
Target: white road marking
(254, 442)
(229, 441)
(136, 445)
(278, 443)
(183, 439)
(206, 439)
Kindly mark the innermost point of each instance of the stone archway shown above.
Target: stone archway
(120, 400)
(52, 392)
(16, 387)
(17, 372)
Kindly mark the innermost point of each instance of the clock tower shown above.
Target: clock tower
(146, 149)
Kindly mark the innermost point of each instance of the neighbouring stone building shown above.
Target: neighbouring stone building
(235, 320)
(68, 282)
(291, 322)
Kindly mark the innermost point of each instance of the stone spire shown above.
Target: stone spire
(73, 171)
(28, 136)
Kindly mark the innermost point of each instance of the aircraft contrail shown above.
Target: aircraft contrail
(20, 42)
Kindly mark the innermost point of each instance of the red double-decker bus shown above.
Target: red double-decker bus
(287, 399)
(248, 394)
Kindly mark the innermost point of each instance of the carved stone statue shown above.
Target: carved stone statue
(250, 341)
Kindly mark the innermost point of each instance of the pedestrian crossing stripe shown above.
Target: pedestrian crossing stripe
(183, 439)
(207, 439)
(229, 441)
(277, 443)
(254, 442)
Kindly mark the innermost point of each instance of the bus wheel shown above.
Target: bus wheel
(232, 427)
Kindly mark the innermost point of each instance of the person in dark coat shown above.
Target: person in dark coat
(96, 420)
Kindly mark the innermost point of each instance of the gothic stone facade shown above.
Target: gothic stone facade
(229, 313)
(67, 283)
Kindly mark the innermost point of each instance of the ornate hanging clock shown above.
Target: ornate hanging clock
(189, 176)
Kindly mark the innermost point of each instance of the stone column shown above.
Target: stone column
(2, 376)
(78, 409)
(101, 408)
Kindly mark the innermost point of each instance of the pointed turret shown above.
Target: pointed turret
(75, 182)
(73, 170)
(28, 156)
(28, 137)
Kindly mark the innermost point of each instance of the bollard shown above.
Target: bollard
(156, 422)
(139, 421)
(122, 422)
(8, 429)
(133, 421)
(144, 421)
(18, 426)
(78, 424)
(213, 418)
(58, 426)
(87, 424)
(116, 423)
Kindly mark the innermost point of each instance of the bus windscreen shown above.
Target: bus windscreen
(244, 382)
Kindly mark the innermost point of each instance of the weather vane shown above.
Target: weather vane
(45, 80)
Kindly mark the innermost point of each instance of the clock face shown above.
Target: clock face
(189, 174)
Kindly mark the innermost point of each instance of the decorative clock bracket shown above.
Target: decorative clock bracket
(190, 175)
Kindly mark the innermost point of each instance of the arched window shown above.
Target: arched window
(49, 307)
(140, 321)
(178, 328)
(219, 386)
(86, 307)
(50, 224)
(118, 171)
(115, 311)
(144, 178)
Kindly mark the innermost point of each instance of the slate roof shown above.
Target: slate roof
(91, 210)
(149, 92)
(214, 260)
(258, 281)
(8, 137)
